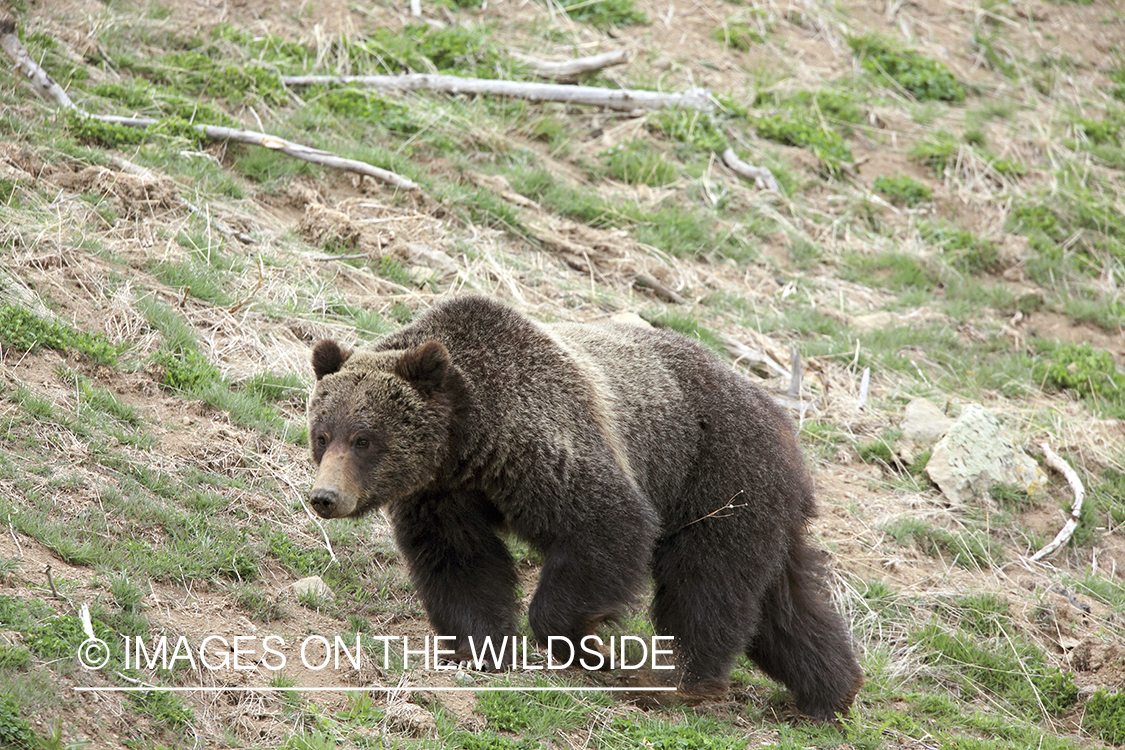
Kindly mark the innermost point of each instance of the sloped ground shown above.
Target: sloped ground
(152, 459)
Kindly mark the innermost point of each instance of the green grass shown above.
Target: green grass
(1011, 669)
(534, 715)
(186, 370)
(639, 163)
(686, 324)
(1105, 716)
(972, 550)
(896, 271)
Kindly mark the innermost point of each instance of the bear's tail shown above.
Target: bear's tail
(804, 643)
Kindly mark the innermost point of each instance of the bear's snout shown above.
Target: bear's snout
(324, 501)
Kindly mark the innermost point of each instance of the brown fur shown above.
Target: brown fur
(620, 453)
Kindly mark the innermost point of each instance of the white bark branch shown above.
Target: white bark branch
(763, 178)
(289, 148)
(45, 86)
(570, 70)
(628, 100)
(1058, 464)
(42, 84)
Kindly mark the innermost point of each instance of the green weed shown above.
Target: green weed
(924, 78)
(1007, 667)
(1011, 497)
(25, 331)
(697, 130)
(1090, 373)
(200, 74)
(936, 151)
(536, 715)
(965, 251)
(688, 734)
(801, 129)
(15, 731)
(604, 14)
(737, 35)
(898, 271)
(14, 657)
(902, 190)
(686, 324)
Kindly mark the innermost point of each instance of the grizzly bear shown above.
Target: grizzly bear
(618, 452)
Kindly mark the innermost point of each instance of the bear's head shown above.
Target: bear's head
(378, 425)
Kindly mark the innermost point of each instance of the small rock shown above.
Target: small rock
(923, 423)
(313, 585)
(874, 321)
(975, 454)
(461, 677)
(630, 318)
(412, 719)
(421, 254)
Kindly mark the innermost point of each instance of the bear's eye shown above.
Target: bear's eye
(321, 441)
(362, 443)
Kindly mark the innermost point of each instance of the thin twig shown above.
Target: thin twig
(661, 290)
(1057, 463)
(51, 581)
(250, 296)
(729, 506)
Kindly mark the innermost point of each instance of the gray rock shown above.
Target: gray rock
(411, 719)
(976, 454)
(923, 423)
(313, 585)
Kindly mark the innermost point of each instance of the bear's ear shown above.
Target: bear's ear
(328, 357)
(425, 368)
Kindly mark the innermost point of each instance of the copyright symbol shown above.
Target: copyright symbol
(93, 653)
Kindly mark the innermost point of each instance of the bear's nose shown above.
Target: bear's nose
(324, 501)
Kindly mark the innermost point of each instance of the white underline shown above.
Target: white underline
(267, 689)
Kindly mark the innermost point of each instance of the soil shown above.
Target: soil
(857, 499)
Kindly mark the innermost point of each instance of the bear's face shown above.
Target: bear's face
(378, 425)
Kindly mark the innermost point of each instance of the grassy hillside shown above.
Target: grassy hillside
(950, 219)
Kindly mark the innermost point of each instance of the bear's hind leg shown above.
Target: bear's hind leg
(804, 643)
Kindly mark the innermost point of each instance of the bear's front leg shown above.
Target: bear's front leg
(462, 571)
(595, 563)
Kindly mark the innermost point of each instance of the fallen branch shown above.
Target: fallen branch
(289, 148)
(796, 373)
(661, 290)
(571, 70)
(763, 178)
(741, 352)
(627, 100)
(44, 86)
(1058, 464)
